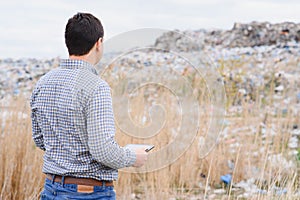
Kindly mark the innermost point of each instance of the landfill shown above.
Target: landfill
(259, 63)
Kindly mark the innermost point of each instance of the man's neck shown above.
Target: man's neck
(85, 58)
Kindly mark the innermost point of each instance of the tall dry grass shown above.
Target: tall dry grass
(20, 168)
(187, 177)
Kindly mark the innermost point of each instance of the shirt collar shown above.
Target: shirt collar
(77, 64)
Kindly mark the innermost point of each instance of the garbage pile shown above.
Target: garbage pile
(241, 35)
(18, 75)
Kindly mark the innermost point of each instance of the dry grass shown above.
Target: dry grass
(21, 161)
(20, 168)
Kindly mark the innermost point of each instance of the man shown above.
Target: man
(73, 122)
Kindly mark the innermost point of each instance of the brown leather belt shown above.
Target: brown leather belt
(80, 181)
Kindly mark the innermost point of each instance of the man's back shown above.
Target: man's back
(62, 102)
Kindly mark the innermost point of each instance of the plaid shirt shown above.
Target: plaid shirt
(73, 122)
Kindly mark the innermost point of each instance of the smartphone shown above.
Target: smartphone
(147, 147)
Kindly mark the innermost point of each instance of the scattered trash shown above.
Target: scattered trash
(293, 142)
(296, 132)
(279, 88)
(226, 179)
(260, 191)
(220, 191)
(230, 164)
(280, 191)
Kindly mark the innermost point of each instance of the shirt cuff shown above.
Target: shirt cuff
(131, 157)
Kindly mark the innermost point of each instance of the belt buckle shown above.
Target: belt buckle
(85, 189)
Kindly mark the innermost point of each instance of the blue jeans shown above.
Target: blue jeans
(60, 191)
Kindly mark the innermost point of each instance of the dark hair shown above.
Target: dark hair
(82, 32)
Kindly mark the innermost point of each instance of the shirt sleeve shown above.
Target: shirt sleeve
(36, 130)
(101, 131)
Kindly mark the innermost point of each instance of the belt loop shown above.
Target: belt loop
(53, 178)
(63, 180)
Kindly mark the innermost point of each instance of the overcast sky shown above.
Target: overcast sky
(35, 28)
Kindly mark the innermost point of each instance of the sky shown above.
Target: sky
(35, 28)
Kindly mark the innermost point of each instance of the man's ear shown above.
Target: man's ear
(99, 42)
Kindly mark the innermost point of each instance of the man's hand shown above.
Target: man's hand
(141, 157)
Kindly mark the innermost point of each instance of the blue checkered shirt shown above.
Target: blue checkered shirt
(73, 122)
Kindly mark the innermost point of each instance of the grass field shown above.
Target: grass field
(188, 177)
(253, 148)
